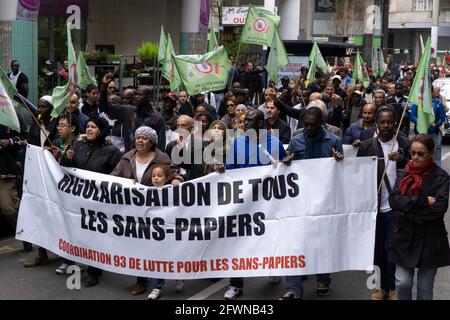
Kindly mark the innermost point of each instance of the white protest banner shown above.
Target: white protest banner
(313, 217)
(350, 151)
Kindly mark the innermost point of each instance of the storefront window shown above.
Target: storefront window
(53, 38)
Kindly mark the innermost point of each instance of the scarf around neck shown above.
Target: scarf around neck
(414, 180)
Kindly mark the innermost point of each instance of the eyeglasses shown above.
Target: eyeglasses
(418, 153)
(231, 105)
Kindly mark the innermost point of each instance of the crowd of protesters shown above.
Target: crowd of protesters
(127, 136)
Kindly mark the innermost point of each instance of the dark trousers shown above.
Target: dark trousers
(237, 282)
(383, 238)
(95, 272)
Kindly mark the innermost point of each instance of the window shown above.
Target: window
(423, 5)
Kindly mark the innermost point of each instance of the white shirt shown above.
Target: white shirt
(391, 173)
(140, 170)
(14, 78)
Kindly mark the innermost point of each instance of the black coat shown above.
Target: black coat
(367, 150)
(96, 157)
(193, 170)
(420, 239)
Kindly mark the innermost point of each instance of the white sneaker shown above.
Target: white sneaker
(232, 293)
(275, 279)
(179, 285)
(154, 295)
(62, 269)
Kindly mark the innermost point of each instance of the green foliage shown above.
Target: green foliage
(233, 47)
(100, 57)
(148, 51)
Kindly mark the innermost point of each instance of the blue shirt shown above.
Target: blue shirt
(439, 113)
(329, 141)
(246, 153)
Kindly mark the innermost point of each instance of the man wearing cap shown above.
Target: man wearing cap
(168, 112)
(48, 125)
(284, 84)
(337, 80)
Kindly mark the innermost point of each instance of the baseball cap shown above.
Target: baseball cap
(171, 96)
(336, 77)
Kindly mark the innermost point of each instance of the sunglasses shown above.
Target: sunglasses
(418, 153)
(231, 105)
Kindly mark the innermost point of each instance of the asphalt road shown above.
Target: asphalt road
(43, 283)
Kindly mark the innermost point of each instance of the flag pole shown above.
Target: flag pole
(392, 149)
(157, 90)
(234, 68)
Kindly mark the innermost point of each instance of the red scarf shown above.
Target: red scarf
(416, 175)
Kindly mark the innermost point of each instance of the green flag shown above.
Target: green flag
(213, 43)
(8, 85)
(277, 57)
(162, 46)
(420, 93)
(317, 62)
(84, 76)
(260, 26)
(379, 67)
(204, 73)
(61, 95)
(360, 71)
(169, 70)
(321, 64)
(8, 115)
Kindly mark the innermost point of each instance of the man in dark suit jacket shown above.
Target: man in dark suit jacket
(392, 155)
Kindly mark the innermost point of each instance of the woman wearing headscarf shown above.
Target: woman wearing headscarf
(94, 153)
(137, 165)
(420, 200)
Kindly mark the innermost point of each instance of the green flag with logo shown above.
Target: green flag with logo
(360, 71)
(162, 46)
(260, 27)
(204, 73)
(8, 115)
(169, 70)
(278, 57)
(84, 76)
(213, 43)
(62, 95)
(420, 93)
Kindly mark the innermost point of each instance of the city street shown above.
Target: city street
(44, 283)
